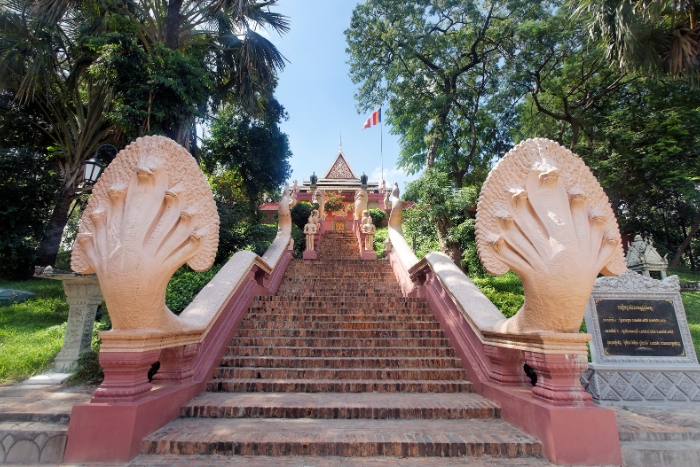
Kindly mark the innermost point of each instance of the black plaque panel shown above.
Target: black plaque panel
(639, 328)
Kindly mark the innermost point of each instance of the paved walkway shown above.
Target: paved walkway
(24, 405)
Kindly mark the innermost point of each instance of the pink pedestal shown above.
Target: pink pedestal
(309, 254)
(126, 375)
(559, 378)
(369, 254)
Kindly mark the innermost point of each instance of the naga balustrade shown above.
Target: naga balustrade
(151, 212)
(503, 356)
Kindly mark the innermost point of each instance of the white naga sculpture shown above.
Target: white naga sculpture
(320, 199)
(542, 214)
(369, 229)
(150, 212)
(310, 229)
(284, 210)
(360, 202)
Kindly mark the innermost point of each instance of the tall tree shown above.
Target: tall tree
(43, 71)
(657, 37)
(437, 65)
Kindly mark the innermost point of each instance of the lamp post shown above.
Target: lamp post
(94, 166)
(314, 181)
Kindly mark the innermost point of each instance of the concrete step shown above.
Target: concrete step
(358, 325)
(382, 374)
(347, 334)
(336, 385)
(661, 453)
(170, 460)
(340, 342)
(350, 406)
(339, 362)
(356, 438)
(330, 352)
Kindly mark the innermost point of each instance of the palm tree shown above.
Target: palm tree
(654, 36)
(45, 72)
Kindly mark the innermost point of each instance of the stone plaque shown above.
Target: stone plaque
(641, 352)
(639, 328)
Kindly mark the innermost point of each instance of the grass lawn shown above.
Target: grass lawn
(31, 333)
(691, 303)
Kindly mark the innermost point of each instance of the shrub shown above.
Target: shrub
(334, 202)
(185, 285)
(301, 213)
(377, 215)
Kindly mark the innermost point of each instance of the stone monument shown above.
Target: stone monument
(310, 229)
(369, 229)
(643, 257)
(83, 296)
(642, 352)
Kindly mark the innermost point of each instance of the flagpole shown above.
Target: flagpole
(381, 146)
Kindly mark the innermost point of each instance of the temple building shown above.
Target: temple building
(341, 179)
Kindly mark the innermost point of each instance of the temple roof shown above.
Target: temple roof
(340, 169)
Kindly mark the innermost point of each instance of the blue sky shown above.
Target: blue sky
(318, 94)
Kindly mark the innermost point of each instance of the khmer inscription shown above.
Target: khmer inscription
(639, 328)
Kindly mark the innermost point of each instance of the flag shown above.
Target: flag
(373, 119)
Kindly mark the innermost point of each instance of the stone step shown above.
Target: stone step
(336, 385)
(352, 438)
(351, 406)
(404, 352)
(660, 453)
(257, 341)
(348, 334)
(338, 318)
(381, 374)
(340, 325)
(172, 460)
(234, 361)
(323, 307)
(306, 294)
(365, 299)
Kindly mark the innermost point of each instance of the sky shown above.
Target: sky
(316, 90)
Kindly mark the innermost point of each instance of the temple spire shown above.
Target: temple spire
(340, 144)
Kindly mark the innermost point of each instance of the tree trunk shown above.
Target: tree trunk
(172, 24)
(50, 243)
(436, 136)
(686, 243)
(451, 249)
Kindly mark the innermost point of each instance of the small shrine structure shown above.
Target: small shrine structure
(642, 257)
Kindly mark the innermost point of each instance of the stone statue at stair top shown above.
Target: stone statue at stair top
(365, 217)
(360, 202)
(643, 257)
(314, 217)
(369, 229)
(284, 210)
(310, 230)
(542, 214)
(151, 212)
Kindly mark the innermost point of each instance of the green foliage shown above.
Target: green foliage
(377, 215)
(437, 202)
(380, 237)
(31, 332)
(300, 214)
(334, 202)
(185, 285)
(155, 89)
(254, 150)
(244, 236)
(28, 190)
(506, 291)
(299, 241)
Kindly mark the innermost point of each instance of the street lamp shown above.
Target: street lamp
(94, 167)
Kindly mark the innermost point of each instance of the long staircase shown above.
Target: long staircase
(339, 363)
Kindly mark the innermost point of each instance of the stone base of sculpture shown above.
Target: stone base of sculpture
(310, 254)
